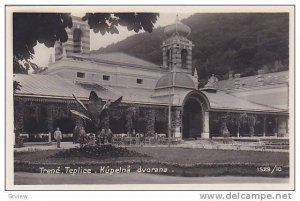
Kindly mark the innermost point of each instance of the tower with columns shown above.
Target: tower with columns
(78, 42)
(177, 49)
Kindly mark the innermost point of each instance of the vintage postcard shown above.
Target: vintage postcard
(150, 98)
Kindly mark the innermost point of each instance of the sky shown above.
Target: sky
(42, 53)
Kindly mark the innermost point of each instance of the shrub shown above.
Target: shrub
(19, 141)
(99, 151)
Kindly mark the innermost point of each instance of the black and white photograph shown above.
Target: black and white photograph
(150, 97)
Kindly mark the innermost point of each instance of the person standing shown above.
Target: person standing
(109, 136)
(58, 137)
(75, 134)
(83, 137)
(102, 136)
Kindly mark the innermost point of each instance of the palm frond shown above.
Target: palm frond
(80, 114)
(80, 103)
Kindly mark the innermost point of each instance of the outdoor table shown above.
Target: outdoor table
(161, 135)
(26, 135)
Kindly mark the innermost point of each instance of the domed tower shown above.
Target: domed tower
(177, 49)
(78, 42)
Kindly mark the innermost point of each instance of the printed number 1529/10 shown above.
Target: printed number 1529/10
(268, 169)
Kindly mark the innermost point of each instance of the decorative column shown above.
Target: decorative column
(238, 128)
(49, 137)
(282, 126)
(189, 59)
(49, 119)
(150, 130)
(287, 127)
(176, 123)
(276, 127)
(19, 120)
(178, 58)
(175, 56)
(264, 134)
(165, 58)
(19, 115)
(205, 133)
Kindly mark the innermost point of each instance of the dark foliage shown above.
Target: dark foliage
(106, 22)
(237, 42)
(19, 141)
(30, 28)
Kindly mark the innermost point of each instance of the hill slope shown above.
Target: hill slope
(235, 42)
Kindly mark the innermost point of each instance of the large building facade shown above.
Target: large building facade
(250, 106)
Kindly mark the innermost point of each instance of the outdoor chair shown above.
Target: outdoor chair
(117, 141)
(162, 140)
(149, 140)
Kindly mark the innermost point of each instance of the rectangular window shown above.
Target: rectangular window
(80, 75)
(106, 77)
(139, 81)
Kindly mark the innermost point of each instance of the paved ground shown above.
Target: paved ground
(24, 178)
(31, 147)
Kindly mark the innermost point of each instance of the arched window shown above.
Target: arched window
(184, 58)
(169, 58)
(77, 33)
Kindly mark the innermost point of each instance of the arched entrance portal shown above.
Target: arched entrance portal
(195, 118)
(192, 119)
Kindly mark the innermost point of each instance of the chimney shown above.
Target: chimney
(237, 80)
(260, 78)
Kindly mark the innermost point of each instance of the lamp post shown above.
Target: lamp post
(169, 105)
(171, 80)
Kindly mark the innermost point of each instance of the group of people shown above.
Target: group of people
(79, 135)
(78, 132)
(104, 136)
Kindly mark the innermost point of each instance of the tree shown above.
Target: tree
(96, 113)
(30, 28)
(47, 28)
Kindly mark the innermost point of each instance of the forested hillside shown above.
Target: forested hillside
(241, 43)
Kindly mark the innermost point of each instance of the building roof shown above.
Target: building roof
(181, 80)
(224, 101)
(177, 28)
(251, 81)
(49, 86)
(122, 58)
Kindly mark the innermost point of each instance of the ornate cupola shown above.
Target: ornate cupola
(78, 43)
(177, 49)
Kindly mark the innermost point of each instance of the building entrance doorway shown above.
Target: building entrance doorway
(192, 119)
